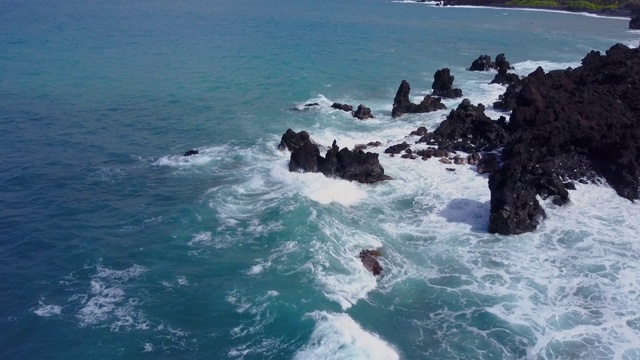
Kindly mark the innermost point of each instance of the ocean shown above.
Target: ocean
(115, 246)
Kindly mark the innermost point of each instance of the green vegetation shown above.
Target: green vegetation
(569, 5)
(534, 3)
(585, 5)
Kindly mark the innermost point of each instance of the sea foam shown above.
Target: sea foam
(336, 336)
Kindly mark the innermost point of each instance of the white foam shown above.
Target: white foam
(201, 238)
(539, 10)
(107, 305)
(204, 157)
(337, 337)
(318, 187)
(47, 310)
(147, 347)
(526, 67)
(182, 280)
(120, 275)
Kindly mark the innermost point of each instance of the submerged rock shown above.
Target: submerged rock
(191, 152)
(368, 258)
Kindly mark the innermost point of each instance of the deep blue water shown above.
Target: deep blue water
(115, 246)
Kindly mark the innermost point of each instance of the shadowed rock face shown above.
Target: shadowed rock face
(402, 104)
(468, 129)
(634, 23)
(443, 84)
(575, 124)
(343, 163)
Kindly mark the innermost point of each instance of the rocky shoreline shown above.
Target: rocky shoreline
(632, 10)
(568, 125)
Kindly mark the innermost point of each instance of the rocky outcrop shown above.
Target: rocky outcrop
(443, 84)
(575, 124)
(634, 23)
(503, 77)
(397, 149)
(343, 163)
(468, 129)
(402, 104)
(191, 153)
(343, 107)
(482, 63)
(368, 258)
(362, 113)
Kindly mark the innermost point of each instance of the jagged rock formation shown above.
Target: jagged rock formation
(402, 104)
(634, 23)
(362, 112)
(343, 163)
(482, 63)
(443, 84)
(343, 107)
(576, 124)
(468, 129)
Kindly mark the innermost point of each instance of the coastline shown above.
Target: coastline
(608, 13)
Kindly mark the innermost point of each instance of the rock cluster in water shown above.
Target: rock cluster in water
(569, 125)
(484, 63)
(402, 104)
(362, 112)
(343, 163)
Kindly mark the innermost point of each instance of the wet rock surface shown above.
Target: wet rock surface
(343, 163)
(402, 105)
(368, 258)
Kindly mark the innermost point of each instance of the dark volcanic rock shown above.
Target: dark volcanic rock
(402, 104)
(397, 149)
(421, 131)
(482, 63)
(468, 129)
(292, 140)
(502, 63)
(343, 163)
(572, 124)
(503, 77)
(488, 164)
(363, 113)
(368, 258)
(343, 107)
(443, 84)
(191, 152)
(634, 23)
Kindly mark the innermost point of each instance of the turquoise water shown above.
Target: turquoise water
(115, 246)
